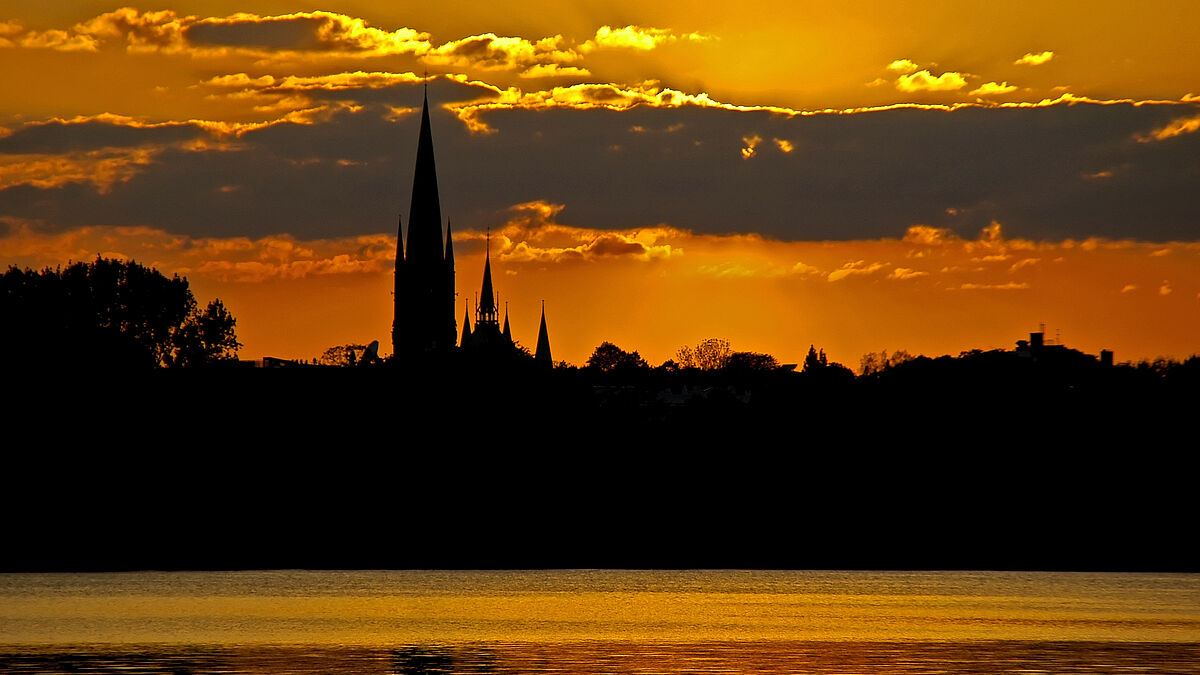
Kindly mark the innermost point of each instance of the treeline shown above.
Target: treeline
(108, 314)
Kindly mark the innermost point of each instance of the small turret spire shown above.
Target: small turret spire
(466, 331)
(487, 300)
(542, 353)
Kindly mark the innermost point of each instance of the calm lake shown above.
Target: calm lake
(588, 621)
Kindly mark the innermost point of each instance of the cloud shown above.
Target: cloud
(587, 96)
(127, 28)
(857, 267)
(1009, 286)
(638, 37)
(236, 259)
(752, 141)
(139, 31)
(335, 168)
(324, 35)
(929, 236)
(784, 145)
(101, 150)
(1129, 288)
(492, 52)
(312, 32)
(1177, 127)
(94, 131)
(903, 66)
(1165, 289)
(101, 168)
(531, 235)
(553, 70)
(902, 273)
(922, 80)
(1032, 59)
(59, 40)
(993, 89)
(1025, 262)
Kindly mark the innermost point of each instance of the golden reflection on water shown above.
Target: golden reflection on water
(383, 609)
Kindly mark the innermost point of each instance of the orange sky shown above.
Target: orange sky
(155, 133)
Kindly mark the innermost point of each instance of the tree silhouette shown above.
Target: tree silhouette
(814, 361)
(111, 313)
(751, 362)
(710, 354)
(340, 355)
(872, 362)
(609, 357)
(205, 337)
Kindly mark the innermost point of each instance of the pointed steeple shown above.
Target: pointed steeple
(542, 354)
(466, 332)
(486, 313)
(425, 211)
(424, 303)
(507, 332)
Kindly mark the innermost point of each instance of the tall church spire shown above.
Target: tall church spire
(425, 211)
(424, 293)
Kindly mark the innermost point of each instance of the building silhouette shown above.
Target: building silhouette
(423, 318)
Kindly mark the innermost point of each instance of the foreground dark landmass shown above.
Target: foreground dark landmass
(981, 463)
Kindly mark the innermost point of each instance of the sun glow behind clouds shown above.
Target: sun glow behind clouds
(851, 297)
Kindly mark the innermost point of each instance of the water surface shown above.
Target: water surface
(600, 622)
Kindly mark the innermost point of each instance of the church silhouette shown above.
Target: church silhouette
(424, 297)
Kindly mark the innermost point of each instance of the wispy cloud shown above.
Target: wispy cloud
(1009, 286)
(1177, 127)
(857, 267)
(902, 273)
(1032, 59)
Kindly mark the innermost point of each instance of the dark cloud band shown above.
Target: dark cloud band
(1054, 172)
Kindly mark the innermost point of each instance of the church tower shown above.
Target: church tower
(486, 334)
(423, 318)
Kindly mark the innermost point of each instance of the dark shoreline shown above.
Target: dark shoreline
(378, 468)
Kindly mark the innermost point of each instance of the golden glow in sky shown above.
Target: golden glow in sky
(932, 177)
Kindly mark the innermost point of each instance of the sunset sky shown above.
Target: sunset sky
(928, 176)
